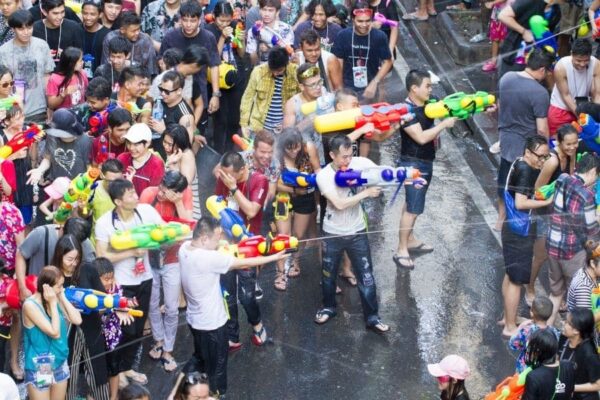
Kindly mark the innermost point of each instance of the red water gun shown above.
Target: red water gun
(98, 121)
(9, 290)
(23, 139)
(256, 246)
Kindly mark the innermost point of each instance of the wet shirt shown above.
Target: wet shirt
(272, 172)
(412, 149)
(68, 159)
(522, 180)
(580, 290)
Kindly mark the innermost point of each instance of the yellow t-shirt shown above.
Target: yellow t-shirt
(100, 206)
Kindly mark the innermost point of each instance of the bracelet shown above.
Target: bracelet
(233, 191)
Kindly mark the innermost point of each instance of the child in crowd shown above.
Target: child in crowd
(118, 52)
(55, 191)
(134, 391)
(541, 310)
(497, 31)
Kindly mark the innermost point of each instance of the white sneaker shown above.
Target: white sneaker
(480, 37)
(495, 148)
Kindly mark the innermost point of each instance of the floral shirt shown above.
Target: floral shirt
(6, 33)
(519, 341)
(11, 224)
(272, 172)
(156, 21)
(111, 325)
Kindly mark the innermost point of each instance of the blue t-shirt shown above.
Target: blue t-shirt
(371, 49)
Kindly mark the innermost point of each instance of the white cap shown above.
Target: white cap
(138, 133)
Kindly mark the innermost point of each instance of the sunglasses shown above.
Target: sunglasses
(194, 378)
(309, 73)
(362, 11)
(167, 91)
(443, 379)
(8, 84)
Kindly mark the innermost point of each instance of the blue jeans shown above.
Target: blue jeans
(242, 283)
(359, 252)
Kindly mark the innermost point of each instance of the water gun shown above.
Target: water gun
(377, 176)
(321, 105)
(256, 246)
(588, 130)
(9, 290)
(512, 388)
(269, 36)
(459, 105)
(381, 115)
(74, 5)
(61, 215)
(231, 222)
(545, 192)
(236, 43)
(149, 236)
(23, 139)
(81, 188)
(90, 300)
(384, 21)
(282, 206)
(297, 179)
(544, 38)
(133, 108)
(98, 121)
(596, 303)
(8, 103)
(242, 142)
(596, 22)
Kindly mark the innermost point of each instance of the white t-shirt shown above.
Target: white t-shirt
(201, 272)
(106, 226)
(9, 388)
(351, 219)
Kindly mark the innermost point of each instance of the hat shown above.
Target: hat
(138, 133)
(454, 366)
(64, 124)
(58, 188)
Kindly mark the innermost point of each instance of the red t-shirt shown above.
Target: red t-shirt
(149, 174)
(255, 189)
(7, 168)
(113, 151)
(166, 209)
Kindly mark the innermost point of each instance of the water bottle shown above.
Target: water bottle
(157, 110)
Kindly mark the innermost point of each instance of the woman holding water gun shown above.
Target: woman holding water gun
(294, 155)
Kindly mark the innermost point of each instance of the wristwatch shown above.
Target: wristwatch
(217, 93)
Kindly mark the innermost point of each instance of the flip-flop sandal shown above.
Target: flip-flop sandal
(169, 364)
(350, 279)
(379, 327)
(156, 350)
(259, 337)
(414, 17)
(324, 315)
(235, 346)
(294, 271)
(338, 290)
(421, 248)
(400, 262)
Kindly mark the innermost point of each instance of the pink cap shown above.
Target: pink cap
(58, 188)
(454, 366)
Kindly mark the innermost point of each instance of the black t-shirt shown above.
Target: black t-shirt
(409, 147)
(522, 179)
(69, 34)
(586, 362)
(92, 45)
(388, 9)
(238, 62)
(172, 115)
(545, 382)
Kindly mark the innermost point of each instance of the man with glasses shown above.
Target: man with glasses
(363, 54)
(522, 113)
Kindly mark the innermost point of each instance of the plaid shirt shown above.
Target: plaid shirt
(573, 219)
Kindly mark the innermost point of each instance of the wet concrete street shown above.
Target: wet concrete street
(448, 304)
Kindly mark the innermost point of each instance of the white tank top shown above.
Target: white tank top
(579, 82)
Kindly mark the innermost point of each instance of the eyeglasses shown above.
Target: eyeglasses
(315, 85)
(443, 379)
(362, 11)
(194, 378)
(541, 157)
(8, 84)
(309, 73)
(166, 91)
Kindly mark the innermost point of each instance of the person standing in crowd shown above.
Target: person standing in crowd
(68, 83)
(202, 271)
(130, 91)
(175, 109)
(585, 279)
(363, 54)
(451, 374)
(132, 267)
(93, 37)
(111, 10)
(318, 12)
(111, 144)
(344, 226)
(389, 11)
(311, 52)
(111, 170)
(118, 53)
(21, 56)
(7, 7)
(158, 17)
(259, 46)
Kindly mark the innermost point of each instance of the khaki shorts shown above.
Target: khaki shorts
(561, 272)
(570, 14)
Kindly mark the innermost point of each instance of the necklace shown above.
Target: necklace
(57, 54)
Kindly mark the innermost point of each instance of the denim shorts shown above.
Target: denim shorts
(415, 198)
(60, 374)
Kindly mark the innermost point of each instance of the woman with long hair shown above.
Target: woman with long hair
(45, 317)
(67, 84)
(451, 373)
(297, 156)
(67, 258)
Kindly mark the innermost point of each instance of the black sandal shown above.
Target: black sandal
(324, 315)
(404, 262)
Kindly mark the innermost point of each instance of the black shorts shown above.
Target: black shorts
(502, 175)
(304, 203)
(518, 254)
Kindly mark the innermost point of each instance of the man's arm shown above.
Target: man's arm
(422, 137)
(335, 67)
(507, 17)
(562, 84)
(187, 121)
(595, 91)
(347, 202)
(103, 250)
(289, 114)
(542, 126)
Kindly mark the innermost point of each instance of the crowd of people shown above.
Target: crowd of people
(132, 91)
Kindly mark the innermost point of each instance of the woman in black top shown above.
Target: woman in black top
(577, 345)
(549, 379)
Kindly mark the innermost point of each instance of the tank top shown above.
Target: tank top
(309, 135)
(36, 342)
(579, 82)
(558, 171)
(174, 114)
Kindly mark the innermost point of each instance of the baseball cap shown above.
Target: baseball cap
(64, 124)
(58, 187)
(454, 366)
(138, 133)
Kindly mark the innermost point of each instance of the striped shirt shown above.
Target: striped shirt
(580, 291)
(274, 117)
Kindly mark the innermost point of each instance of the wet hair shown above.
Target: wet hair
(542, 307)
(232, 159)
(180, 136)
(190, 9)
(540, 58)
(130, 73)
(581, 47)
(20, 19)
(541, 348)
(175, 181)
(171, 57)
(587, 162)
(103, 266)
(327, 5)
(93, 3)
(118, 117)
(175, 77)
(49, 275)
(48, 5)
(290, 138)
(66, 244)
(195, 54)
(263, 136)
(309, 37)
(188, 382)
(277, 58)
(134, 391)
(270, 3)
(78, 227)
(359, 5)
(119, 45)
(223, 8)
(98, 88)
(129, 18)
(118, 187)
(415, 77)
(564, 130)
(533, 142)
(582, 319)
(339, 141)
(112, 165)
(205, 226)
(66, 65)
